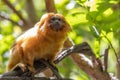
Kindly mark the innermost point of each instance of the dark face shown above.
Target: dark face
(56, 23)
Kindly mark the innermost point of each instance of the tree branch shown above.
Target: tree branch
(106, 58)
(4, 16)
(93, 69)
(117, 58)
(41, 65)
(31, 78)
(32, 17)
(14, 10)
(50, 6)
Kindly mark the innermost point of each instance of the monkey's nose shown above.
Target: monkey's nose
(57, 25)
(57, 22)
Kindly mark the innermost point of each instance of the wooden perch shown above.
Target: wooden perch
(40, 66)
(24, 78)
(93, 70)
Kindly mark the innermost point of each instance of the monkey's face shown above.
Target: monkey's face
(54, 22)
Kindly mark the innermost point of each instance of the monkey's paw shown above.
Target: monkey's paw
(22, 67)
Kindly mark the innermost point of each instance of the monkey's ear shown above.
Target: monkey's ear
(13, 45)
(41, 22)
(44, 18)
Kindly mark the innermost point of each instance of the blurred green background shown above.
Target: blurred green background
(94, 21)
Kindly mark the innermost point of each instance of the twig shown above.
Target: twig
(117, 58)
(14, 10)
(97, 32)
(106, 58)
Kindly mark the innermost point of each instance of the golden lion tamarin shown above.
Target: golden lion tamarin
(44, 40)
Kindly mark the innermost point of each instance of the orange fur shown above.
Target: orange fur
(44, 40)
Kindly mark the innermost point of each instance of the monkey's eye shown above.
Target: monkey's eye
(55, 19)
(59, 19)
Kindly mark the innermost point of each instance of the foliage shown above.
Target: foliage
(94, 21)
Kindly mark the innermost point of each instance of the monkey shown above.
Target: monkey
(43, 41)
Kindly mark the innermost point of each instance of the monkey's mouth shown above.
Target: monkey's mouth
(56, 26)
